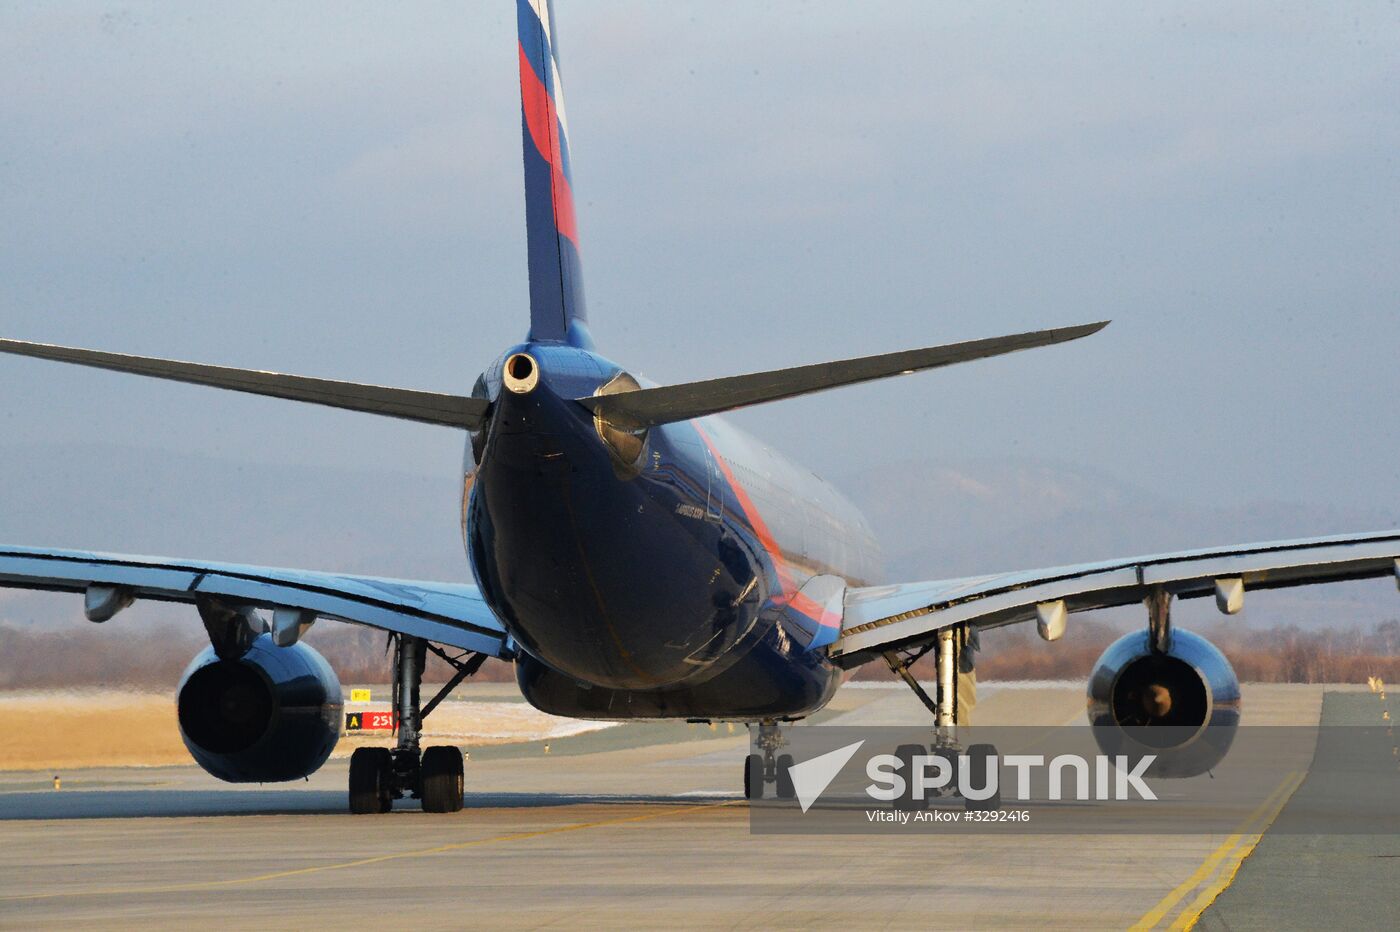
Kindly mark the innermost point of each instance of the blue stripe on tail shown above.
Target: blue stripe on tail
(556, 279)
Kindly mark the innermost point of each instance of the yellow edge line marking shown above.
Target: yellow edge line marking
(378, 859)
(1154, 915)
(1192, 913)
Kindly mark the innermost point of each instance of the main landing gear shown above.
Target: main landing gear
(378, 776)
(951, 705)
(768, 766)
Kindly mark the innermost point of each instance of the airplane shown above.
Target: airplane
(635, 556)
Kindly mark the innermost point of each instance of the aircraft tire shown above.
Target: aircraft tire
(753, 776)
(979, 758)
(784, 776)
(907, 753)
(443, 779)
(369, 781)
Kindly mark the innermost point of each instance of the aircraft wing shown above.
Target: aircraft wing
(447, 613)
(882, 618)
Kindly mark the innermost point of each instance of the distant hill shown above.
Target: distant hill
(950, 518)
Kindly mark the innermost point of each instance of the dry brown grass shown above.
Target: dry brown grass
(56, 731)
(63, 731)
(130, 723)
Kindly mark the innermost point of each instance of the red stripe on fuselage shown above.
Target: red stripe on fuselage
(815, 610)
(760, 527)
(794, 599)
(543, 124)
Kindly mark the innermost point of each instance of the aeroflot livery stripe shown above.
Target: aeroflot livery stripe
(544, 119)
(542, 17)
(790, 597)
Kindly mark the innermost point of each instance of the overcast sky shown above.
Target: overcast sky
(335, 190)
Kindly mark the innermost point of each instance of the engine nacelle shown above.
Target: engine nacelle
(273, 714)
(1182, 706)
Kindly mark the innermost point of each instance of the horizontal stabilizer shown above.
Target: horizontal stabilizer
(650, 406)
(427, 407)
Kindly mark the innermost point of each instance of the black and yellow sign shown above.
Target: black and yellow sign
(369, 721)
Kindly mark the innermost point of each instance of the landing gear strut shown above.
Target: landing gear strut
(1159, 620)
(953, 651)
(378, 776)
(768, 766)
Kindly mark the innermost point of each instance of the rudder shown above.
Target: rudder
(556, 281)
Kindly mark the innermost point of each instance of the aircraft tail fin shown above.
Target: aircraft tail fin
(556, 279)
(648, 407)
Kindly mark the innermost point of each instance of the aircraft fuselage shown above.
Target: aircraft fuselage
(658, 581)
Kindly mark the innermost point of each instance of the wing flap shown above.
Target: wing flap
(879, 618)
(446, 613)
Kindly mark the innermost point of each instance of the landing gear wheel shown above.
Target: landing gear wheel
(907, 753)
(784, 774)
(753, 776)
(981, 759)
(949, 755)
(369, 781)
(442, 779)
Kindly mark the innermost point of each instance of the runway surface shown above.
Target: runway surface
(644, 828)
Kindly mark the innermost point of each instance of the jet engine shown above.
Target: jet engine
(1181, 705)
(273, 714)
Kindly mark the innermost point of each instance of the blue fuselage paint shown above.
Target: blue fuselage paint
(654, 586)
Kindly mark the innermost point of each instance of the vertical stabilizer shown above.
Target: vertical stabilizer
(556, 283)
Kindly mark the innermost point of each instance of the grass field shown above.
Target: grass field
(44, 730)
(57, 730)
